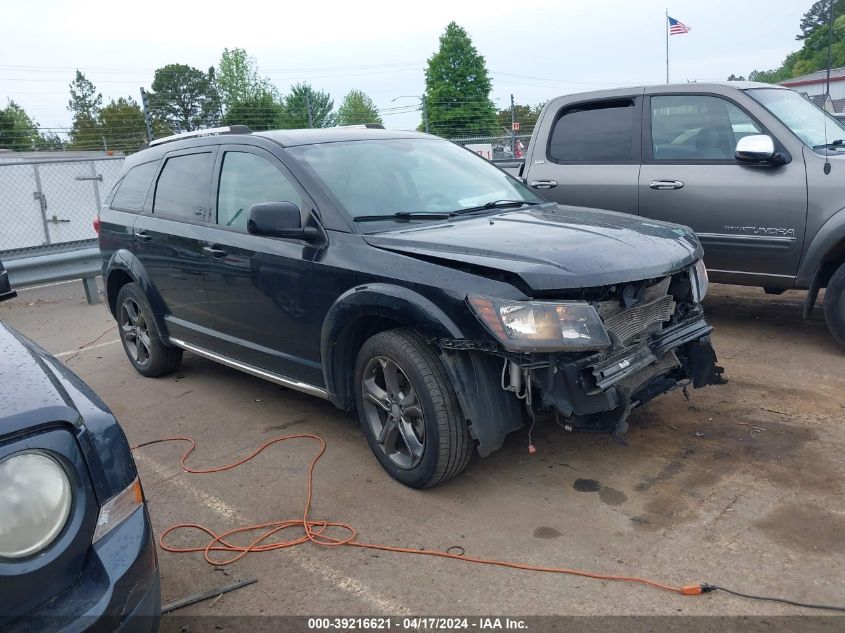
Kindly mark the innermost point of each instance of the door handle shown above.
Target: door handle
(664, 185)
(544, 184)
(214, 252)
(143, 236)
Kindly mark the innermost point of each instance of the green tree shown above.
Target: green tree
(457, 88)
(297, 103)
(736, 78)
(525, 115)
(185, 98)
(122, 126)
(357, 108)
(817, 17)
(238, 80)
(259, 112)
(20, 133)
(84, 104)
(17, 130)
(813, 53)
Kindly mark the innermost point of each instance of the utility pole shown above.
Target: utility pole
(666, 28)
(308, 107)
(829, 45)
(425, 113)
(146, 114)
(513, 131)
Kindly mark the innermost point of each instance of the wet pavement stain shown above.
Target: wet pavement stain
(546, 532)
(805, 529)
(586, 485)
(612, 496)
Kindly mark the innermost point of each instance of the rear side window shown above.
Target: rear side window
(131, 192)
(183, 187)
(595, 133)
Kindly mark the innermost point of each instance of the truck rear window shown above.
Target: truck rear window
(600, 132)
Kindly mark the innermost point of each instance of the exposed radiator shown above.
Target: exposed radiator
(627, 325)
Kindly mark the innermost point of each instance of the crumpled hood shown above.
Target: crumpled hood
(553, 246)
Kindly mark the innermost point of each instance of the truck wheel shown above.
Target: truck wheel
(138, 332)
(409, 411)
(834, 305)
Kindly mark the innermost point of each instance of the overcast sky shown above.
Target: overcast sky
(535, 49)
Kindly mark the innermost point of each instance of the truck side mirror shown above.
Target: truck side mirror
(757, 149)
(278, 219)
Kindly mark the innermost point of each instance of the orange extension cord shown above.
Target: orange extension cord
(315, 531)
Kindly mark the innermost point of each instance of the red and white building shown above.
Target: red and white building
(814, 86)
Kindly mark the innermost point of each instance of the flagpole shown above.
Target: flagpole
(666, 28)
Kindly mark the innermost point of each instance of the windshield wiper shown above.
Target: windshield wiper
(837, 144)
(495, 204)
(404, 216)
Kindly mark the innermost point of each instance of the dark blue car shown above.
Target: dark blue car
(76, 545)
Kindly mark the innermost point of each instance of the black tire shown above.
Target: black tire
(442, 430)
(834, 305)
(140, 337)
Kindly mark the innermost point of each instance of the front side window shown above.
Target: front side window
(183, 187)
(131, 192)
(247, 179)
(414, 175)
(601, 132)
(697, 127)
(811, 124)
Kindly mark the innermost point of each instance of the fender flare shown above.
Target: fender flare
(828, 237)
(355, 306)
(492, 413)
(126, 262)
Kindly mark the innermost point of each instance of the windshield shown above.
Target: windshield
(810, 123)
(410, 176)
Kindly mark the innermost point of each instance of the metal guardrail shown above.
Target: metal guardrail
(82, 263)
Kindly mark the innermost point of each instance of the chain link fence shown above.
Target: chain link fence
(49, 204)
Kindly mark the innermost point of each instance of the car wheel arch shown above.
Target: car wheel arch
(364, 311)
(123, 268)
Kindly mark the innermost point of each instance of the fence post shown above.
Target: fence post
(513, 132)
(42, 203)
(425, 113)
(308, 107)
(146, 114)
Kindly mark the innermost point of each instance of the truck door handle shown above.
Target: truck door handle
(214, 252)
(664, 185)
(143, 236)
(544, 184)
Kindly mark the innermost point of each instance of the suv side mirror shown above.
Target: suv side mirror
(279, 219)
(757, 149)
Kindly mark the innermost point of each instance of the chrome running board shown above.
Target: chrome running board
(255, 371)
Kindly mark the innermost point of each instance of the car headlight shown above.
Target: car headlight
(700, 281)
(35, 502)
(542, 326)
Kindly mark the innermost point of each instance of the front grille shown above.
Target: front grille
(646, 317)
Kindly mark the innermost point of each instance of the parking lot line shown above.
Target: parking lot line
(86, 348)
(228, 513)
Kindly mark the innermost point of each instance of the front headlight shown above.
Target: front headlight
(542, 326)
(35, 501)
(700, 281)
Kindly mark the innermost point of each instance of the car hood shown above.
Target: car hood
(552, 247)
(37, 391)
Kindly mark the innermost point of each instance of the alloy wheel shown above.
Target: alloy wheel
(393, 412)
(135, 331)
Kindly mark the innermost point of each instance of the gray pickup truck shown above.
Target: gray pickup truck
(756, 170)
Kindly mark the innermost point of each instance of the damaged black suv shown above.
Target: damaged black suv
(403, 277)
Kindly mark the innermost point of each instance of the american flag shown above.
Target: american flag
(676, 27)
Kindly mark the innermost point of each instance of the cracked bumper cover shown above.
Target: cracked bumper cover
(633, 375)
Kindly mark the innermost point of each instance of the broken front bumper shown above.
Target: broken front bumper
(596, 393)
